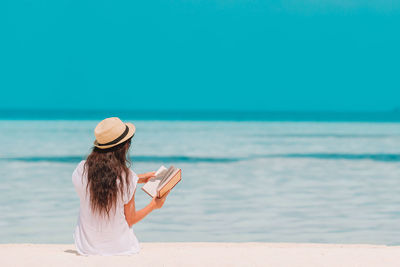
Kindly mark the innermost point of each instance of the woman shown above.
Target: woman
(106, 188)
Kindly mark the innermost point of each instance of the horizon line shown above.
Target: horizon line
(392, 110)
(202, 115)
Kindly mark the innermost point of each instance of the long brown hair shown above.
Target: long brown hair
(104, 167)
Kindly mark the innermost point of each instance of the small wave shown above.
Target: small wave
(190, 159)
(334, 156)
(76, 159)
(328, 135)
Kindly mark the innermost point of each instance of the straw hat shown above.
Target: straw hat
(111, 132)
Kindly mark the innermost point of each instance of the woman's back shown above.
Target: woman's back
(106, 185)
(98, 234)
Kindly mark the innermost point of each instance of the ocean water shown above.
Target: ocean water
(325, 182)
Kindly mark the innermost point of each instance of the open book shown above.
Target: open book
(164, 181)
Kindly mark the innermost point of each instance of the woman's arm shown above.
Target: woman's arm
(132, 216)
(144, 177)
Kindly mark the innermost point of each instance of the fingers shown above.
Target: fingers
(166, 194)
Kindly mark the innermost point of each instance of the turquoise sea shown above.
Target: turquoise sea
(272, 181)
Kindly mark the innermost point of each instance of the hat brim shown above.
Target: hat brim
(131, 132)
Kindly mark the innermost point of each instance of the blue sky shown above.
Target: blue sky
(200, 54)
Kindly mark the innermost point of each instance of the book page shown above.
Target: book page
(171, 173)
(151, 186)
(161, 169)
(170, 183)
(168, 173)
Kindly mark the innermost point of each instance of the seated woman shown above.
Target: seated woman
(106, 188)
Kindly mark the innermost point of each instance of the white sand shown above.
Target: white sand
(207, 254)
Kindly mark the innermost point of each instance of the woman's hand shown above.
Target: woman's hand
(145, 177)
(157, 203)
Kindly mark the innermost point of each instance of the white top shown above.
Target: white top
(96, 235)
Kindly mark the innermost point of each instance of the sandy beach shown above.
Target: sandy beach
(207, 254)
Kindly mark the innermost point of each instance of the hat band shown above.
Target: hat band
(119, 138)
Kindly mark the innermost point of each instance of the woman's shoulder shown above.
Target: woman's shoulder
(133, 175)
(132, 172)
(77, 173)
(80, 166)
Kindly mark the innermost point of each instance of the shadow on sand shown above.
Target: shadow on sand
(72, 252)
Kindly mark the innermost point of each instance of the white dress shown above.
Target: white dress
(96, 235)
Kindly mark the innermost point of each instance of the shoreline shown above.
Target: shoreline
(207, 254)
